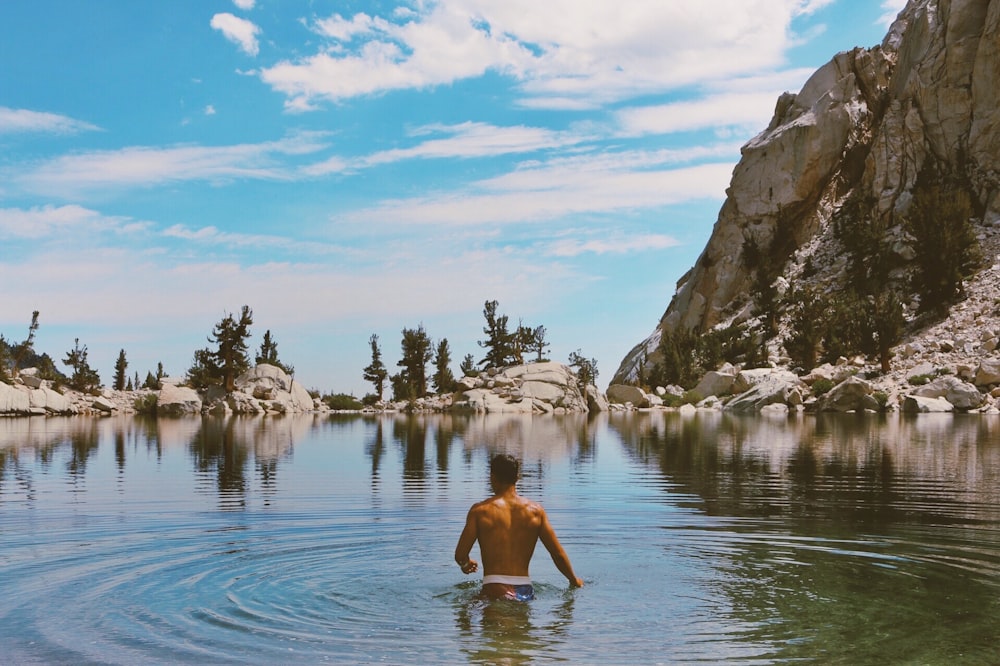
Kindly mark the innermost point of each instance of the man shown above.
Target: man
(507, 527)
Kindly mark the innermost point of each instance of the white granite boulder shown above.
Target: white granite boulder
(962, 395)
(916, 404)
(770, 387)
(175, 400)
(852, 394)
(988, 372)
(623, 394)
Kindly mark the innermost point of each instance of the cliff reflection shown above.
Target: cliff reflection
(859, 469)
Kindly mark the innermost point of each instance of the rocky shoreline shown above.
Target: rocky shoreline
(533, 388)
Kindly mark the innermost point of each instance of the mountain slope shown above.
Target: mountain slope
(859, 137)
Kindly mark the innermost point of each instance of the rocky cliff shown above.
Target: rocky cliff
(862, 129)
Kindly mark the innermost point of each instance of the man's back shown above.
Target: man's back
(508, 527)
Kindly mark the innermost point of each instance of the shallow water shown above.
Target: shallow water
(702, 539)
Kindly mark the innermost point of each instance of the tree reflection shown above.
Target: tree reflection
(215, 450)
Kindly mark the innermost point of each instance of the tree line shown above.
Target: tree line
(219, 364)
(504, 346)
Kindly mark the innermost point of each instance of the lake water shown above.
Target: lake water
(329, 539)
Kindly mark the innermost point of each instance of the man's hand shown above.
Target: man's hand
(578, 582)
(470, 566)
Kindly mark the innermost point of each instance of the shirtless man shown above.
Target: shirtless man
(507, 527)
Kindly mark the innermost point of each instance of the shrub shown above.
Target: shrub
(342, 401)
(146, 404)
(919, 380)
(822, 386)
(691, 398)
(882, 398)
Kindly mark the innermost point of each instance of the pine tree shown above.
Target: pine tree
(444, 380)
(26, 348)
(120, 366)
(269, 354)
(416, 352)
(376, 372)
(84, 377)
(586, 369)
(468, 366)
(536, 343)
(499, 342)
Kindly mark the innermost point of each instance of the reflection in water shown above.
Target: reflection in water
(821, 539)
(223, 447)
(859, 470)
(855, 509)
(510, 632)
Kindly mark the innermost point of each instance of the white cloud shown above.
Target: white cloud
(535, 193)
(209, 110)
(47, 221)
(145, 166)
(463, 141)
(563, 53)
(240, 31)
(245, 5)
(750, 110)
(23, 120)
(620, 245)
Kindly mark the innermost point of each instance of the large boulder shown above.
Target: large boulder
(276, 390)
(14, 400)
(773, 387)
(962, 395)
(596, 401)
(49, 401)
(716, 382)
(988, 372)
(623, 394)
(175, 400)
(852, 394)
(917, 404)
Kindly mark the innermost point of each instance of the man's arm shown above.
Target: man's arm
(465, 543)
(559, 557)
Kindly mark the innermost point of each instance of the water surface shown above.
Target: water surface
(701, 539)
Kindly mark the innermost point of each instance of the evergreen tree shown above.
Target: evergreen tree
(231, 336)
(4, 359)
(444, 380)
(375, 372)
(468, 366)
(416, 352)
(120, 366)
(535, 343)
(499, 342)
(153, 383)
(160, 374)
(229, 359)
(84, 378)
(269, 354)
(26, 348)
(586, 369)
(945, 243)
(129, 386)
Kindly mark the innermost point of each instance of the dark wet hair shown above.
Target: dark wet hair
(505, 468)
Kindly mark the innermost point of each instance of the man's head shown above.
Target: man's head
(504, 469)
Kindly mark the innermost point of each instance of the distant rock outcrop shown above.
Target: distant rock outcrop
(540, 388)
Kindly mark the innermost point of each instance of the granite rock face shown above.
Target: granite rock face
(861, 129)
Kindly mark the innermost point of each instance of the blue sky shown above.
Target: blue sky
(356, 167)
